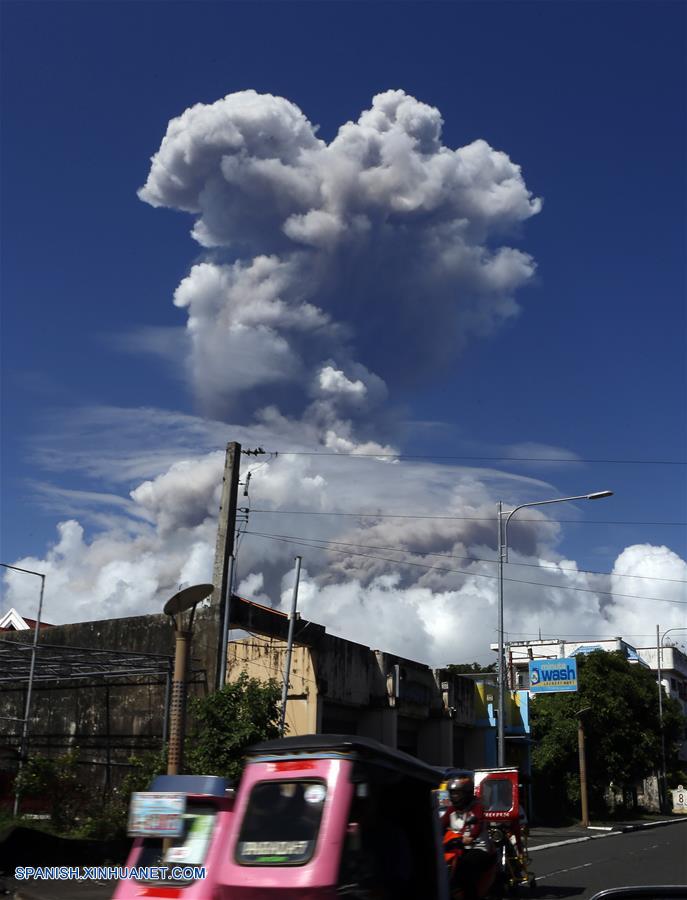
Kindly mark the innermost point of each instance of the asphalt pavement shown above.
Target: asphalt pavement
(580, 863)
(645, 857)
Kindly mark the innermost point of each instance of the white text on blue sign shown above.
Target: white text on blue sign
(553, 675)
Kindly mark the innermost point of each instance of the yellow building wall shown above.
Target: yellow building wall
(264, 658)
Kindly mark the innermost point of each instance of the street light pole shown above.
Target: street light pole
(29, 687)
(659, 647)
(181, 609)
(503, 520)
(289, 648)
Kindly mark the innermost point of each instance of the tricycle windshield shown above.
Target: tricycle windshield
(281, 823)
(190, 848)
(497, 794)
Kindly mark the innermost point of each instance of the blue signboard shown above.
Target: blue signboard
(553, 675)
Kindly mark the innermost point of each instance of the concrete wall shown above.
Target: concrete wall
(338, 686)
(107, 720)
(264, 658)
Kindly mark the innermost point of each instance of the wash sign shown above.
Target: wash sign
(553, 675)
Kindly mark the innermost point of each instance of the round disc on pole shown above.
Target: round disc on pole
(187, 598)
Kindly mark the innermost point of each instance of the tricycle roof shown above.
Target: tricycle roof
(354, 747)
(198, 785)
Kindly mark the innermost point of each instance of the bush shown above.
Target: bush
(56, 781)
(108, 820)
(230, 720)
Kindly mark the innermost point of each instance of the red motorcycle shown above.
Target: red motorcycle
(473, 873)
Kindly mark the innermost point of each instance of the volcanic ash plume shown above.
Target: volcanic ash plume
(336, 268)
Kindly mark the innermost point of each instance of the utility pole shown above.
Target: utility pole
(583, 768)
(224, 549)
(210, 618)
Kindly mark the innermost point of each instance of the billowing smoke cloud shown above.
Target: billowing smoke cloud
(375, 253)
(422, 587)
(334, 274)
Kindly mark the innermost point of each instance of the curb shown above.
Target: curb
(625, 829)
(641, 825)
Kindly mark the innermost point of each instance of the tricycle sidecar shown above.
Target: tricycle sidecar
(202, 808)
(327, 816)
(499, 791)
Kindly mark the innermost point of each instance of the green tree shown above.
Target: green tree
(473, 668)
(228, 721)
(622, 730)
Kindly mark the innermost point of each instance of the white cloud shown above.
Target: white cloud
(340, 273)
(333, 381)
(423, 587)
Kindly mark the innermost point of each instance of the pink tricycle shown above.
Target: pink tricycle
(326, 816)
(181, 827)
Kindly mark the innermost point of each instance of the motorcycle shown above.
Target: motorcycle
(499, 792)
(473, 874)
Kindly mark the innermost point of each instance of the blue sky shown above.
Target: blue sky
(588, 98)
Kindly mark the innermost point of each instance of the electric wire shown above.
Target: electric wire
(379, 515)
(474, 558)
(271, 641)
(397, 562)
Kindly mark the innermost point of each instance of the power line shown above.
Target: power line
(378, 515)
(560, 459)
(588, 637)
(401, 562)
(553, 567)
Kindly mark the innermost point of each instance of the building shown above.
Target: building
(673, 663)
(340, 686)
(519, 654)
(104, 687)
(673, 677)
(13, 621)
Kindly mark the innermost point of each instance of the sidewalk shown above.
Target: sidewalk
(543, 837)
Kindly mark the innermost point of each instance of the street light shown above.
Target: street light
(503, 520)
(659, 647)
(177, 608)
(29, 687)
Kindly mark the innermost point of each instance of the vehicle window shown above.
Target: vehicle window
(496, 794)
(281, 823)
(443, 800)
(190, 848)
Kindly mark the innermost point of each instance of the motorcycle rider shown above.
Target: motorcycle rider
(465, 817)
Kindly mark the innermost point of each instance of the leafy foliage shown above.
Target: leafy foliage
(108, 819)
(228, 721)
(473, 668)
(622, 729)
(225, 724)
(56, 781)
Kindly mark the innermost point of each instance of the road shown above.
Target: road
(653, 856)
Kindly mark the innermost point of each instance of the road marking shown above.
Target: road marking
(569, 869)
(579, 840)
(598, 837)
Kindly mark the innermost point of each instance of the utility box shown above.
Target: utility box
(679, 799)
